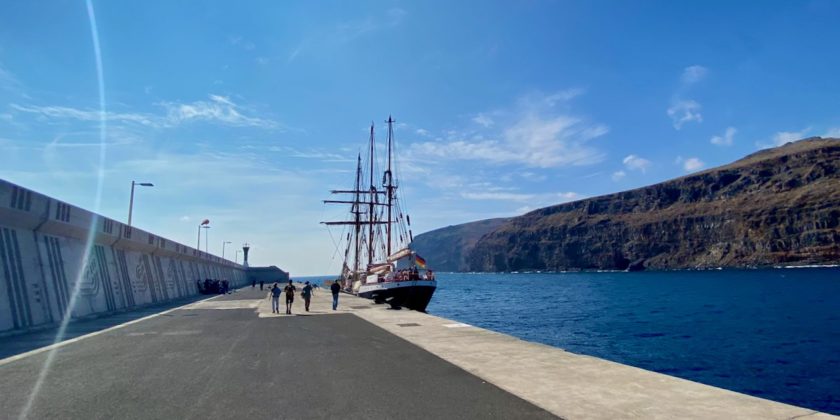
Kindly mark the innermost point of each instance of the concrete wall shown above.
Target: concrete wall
(42, 261)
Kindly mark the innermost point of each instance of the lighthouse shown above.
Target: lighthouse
(245, 249)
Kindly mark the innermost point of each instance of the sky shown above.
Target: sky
(248, 113)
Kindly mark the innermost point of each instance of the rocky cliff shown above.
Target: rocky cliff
(445, 249)
(777, 206)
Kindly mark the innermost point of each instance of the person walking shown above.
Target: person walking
(306, 293)
(253, 283)
(290, 296)
(335, 288)
(275, 298)
(261, 284)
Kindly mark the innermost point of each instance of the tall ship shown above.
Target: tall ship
(379, 263)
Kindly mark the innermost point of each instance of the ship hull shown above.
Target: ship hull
(414, 295)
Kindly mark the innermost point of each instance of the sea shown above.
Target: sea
(770, 333)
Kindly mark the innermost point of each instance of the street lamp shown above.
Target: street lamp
(204, 223)
(223, 248)
(131, 201)
(206, 239)
(236, 259)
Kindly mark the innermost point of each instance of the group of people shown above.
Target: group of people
(307, 291)
(412, 274)
(213, 286)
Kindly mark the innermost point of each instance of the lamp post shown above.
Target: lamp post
(236, 258)
(223, 248)
(131, 201)
(206, 239)
(204, 223)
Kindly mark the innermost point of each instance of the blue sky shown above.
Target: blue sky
(247, 113)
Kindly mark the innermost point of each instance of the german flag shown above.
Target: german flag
(420, 261)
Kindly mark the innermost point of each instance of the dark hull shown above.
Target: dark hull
(411, 297)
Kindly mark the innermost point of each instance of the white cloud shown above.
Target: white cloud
(483, 120)
(693, 164)
(10, 83)
(62, 112)
(534, 136)
(783, 137)
(538, 199)
(506, 196)
(618, 175)
(295, 52)
(241, 42)
(532, 176)
(726, 139)
(833, 132)
(423, 132)
(683, 111)
(312, 153)
(218, 109)
(636, 163)
(694, 74)
(539, 100)
(185, 218)
(395, 16)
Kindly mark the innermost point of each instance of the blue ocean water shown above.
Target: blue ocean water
(769, 333)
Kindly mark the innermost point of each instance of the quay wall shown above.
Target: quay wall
(44, 263)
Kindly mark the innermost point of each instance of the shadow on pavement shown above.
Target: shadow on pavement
(15, 344)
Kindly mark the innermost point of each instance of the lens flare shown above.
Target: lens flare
(103, 129)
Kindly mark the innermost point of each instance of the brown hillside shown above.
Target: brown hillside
(776, 206)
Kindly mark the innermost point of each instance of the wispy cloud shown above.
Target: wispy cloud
(538, 199)
(483, 120)
(726, 139)
(218, 109)
(692, 164)
(693, 74)
(534, 135)
(63, 112)
(10, 83)
(782, 137)
(312, 153)
(833, 132)
(395, 16)
(241, 42)
(684, 111)
(636, 163)
(294, 53)
(618, 175)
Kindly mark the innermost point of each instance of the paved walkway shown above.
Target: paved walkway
(229, 357)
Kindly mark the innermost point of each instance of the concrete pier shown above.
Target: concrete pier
(230, 357)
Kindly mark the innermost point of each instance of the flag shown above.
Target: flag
(205, 222)
(420, 261)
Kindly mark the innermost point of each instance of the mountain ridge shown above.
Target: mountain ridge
(775, 206)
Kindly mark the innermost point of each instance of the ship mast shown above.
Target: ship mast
(372, 197)
(389, 182)
(357, 214)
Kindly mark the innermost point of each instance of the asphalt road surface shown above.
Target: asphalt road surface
(230, 363)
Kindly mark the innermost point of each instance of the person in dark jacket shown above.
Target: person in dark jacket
(335, 288)
(306, 294)
(290, 296)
